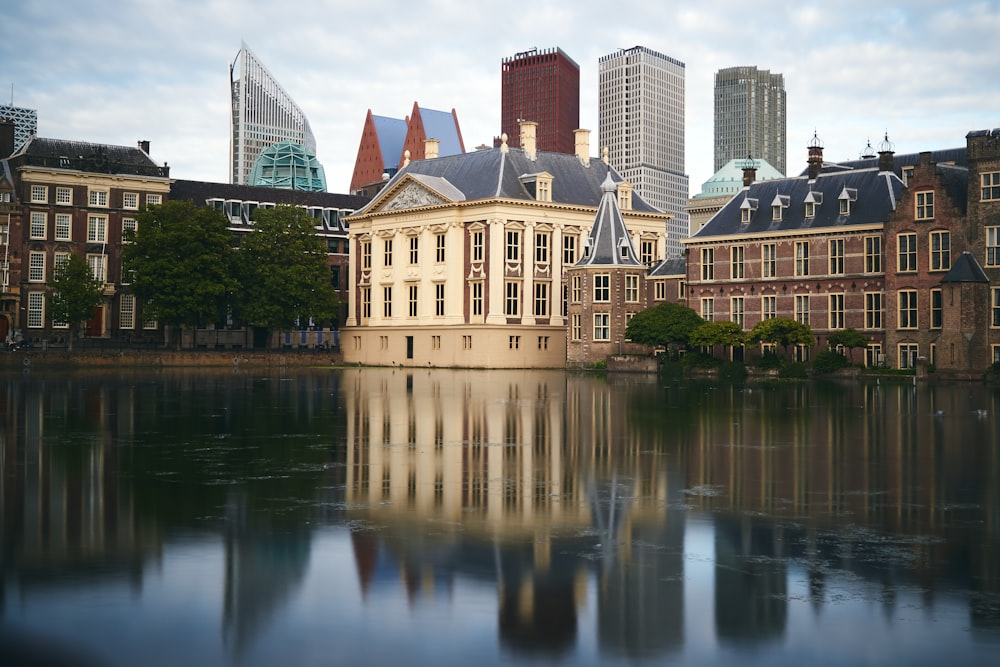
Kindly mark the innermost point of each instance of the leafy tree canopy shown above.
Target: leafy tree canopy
(710, 334)
(180, 263)
(665, 324)
(782, 331)
(283, 271)
(849, 338)
(75, 294)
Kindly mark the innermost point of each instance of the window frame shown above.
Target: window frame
(602, 288)
(737, 262)
(923, 205)
(989, 186)
(836, 257)
(708, 263)
(906, 258)
(769, 260)
(602, 328)
(631, 288)
(873, 254)
(836, 311)
(906, 309)
(939, 247)
(38, 224)
(801, 259)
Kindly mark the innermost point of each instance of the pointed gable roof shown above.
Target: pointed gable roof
(608, 243)
(424, 124)
(965, 270)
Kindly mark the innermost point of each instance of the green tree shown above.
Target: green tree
(180, 262)
(849, 338)
(666, 324)
(283, 271)
(725, 333)
(782, 331)
(75, 294)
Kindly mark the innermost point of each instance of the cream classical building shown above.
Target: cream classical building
(459, 260)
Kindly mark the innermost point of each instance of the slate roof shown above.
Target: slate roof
(958, 156)
(956, 184)
(608, 243)
(495, 174)
(672, 266)
(201, 191)
(391, 134)
(874, 197)
(89, 157)
(441, 125)
(965, 269)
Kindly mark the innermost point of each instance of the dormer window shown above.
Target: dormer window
(625, 196)
(587, 244)
(779, 204)
(538, 186)
(747, 209)
(813, 199)
(623, 248)
(847, 195)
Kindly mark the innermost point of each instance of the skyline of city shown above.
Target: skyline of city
(171, 89)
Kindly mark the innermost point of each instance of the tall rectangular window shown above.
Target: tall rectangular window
(836, 311)
(993, 246)
(541, 299)
(802, 258)
(576, 292)
(873, 254)
(991, 186)
(129, 227)
(707, 263)
(602, 288)
(541, 248)
(906, 255)
(908, 355)
(97, 229)
(768, 307)
(36, 266)
(569, 250)
(439, 299)
(512, 299)
(387, 253)
(940, 247)
(995, 308)
(736, 307)
(366, 302)
(660, 290)
(631, 288)
(439, 248)
(387, 302)
(708, 309)
(366, 255)
(39, 221)
(98, 266)
(647, 253)
(64, 223)
(924, 206)
(477, 246)
(477, 299)
(836, 256)
(513, 245)
(736, 262)
(414, 250)
(36, 310)
(575, 329)
(937, 309)
(873, 310)
(769, 262)
(907, 309)
(126, 311)
(412, 292)
(802, 309)
(602, 326)
(59, 262)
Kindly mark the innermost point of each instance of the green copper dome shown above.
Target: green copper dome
(290, 166)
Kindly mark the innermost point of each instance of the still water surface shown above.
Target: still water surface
(385, 517)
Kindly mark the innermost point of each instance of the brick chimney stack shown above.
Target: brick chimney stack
(885, 153)
(582, 138)
(815, 157)
(529, 130)
(6, 137)
(144, 146)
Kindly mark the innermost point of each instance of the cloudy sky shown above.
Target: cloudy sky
(116, 71)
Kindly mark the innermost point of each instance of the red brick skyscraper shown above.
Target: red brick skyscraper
(543, 87)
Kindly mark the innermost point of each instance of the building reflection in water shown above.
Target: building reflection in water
(568, 493)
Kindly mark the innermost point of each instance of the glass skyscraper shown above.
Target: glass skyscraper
(641, 122)
(25, 123)
(263, 115)
(750, 116)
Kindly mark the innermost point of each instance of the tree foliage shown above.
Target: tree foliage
(781, 331)
(180, 263)
(75, 294)
(710, 334)
(666, 324)
(283, 272)
(849, 338)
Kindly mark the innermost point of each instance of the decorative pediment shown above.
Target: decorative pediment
(412, 195)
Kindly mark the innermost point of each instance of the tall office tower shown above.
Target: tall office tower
(641, 123)
(25, 123)
(750, 116)
(263, 115)
(543, 87)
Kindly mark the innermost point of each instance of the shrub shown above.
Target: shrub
(796, 369)
(829, 361)
(699, 360)
(732, 371)
(769, 360)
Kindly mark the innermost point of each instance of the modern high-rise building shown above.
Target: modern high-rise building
(25, 123)
(750, 116)
(263, 115)
(542, 87)
(641, 123)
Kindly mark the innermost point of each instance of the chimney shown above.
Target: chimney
(6, 137)
(431, 148)
(749, 171)
(885, 153)
(144, 146)
(582, 145)
(815, 157)
(528, 130)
